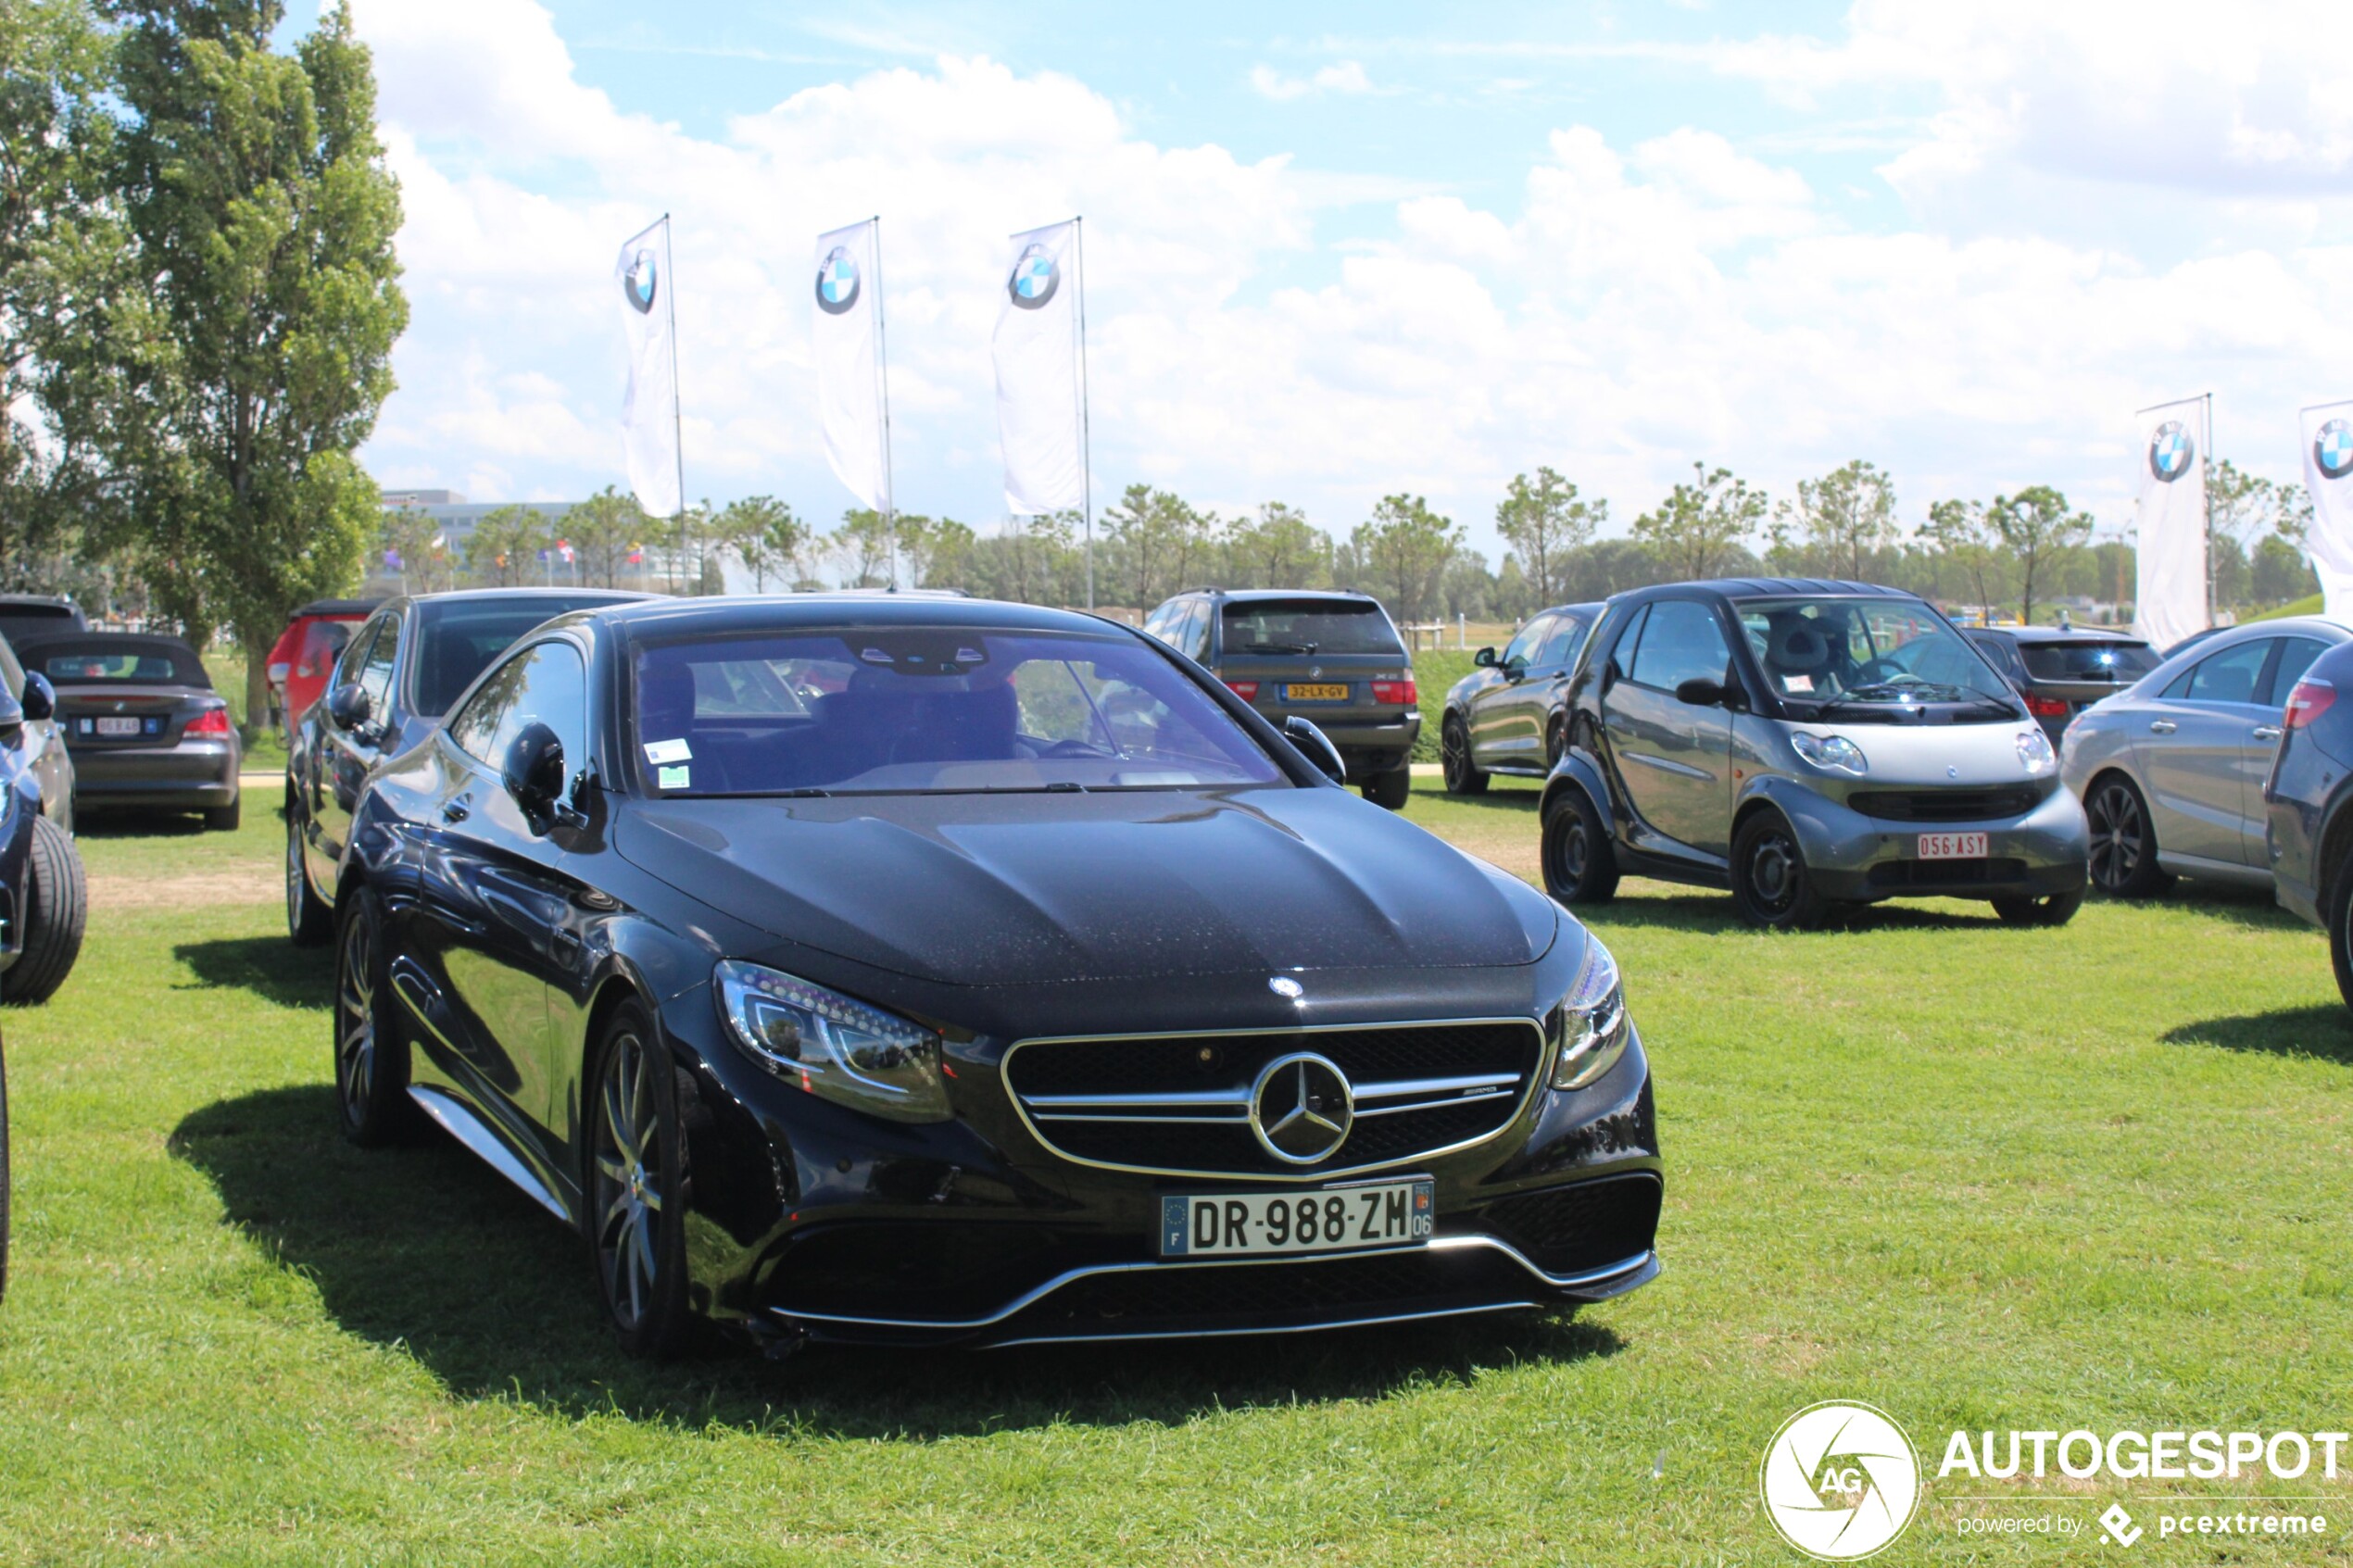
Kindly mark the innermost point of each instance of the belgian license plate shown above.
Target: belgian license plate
(1249, 1225)
(1952, 847)
(112, 725)
(1300, 691)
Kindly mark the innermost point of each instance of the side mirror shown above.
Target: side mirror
(347, 707)
(40, 700)
(1702, 691)
(1515, 670)
(1484, 658)
(533, 774)
(1316, 746)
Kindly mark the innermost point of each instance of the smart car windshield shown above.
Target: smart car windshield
(1876, 658)
(928, 710)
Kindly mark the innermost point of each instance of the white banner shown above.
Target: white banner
(2328, 478)
(650, 409)
(844, 334)
(2170, 461)
(1039, 412)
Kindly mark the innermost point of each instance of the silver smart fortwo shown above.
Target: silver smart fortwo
(1810, 746)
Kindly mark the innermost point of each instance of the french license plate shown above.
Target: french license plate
(1952, 847)
(110, 725)
(1298, 691)
(1250, 1224)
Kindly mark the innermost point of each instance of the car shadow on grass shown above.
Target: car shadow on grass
(127, 821)
(270, 967)
(422, 1247)
(2324, 1033)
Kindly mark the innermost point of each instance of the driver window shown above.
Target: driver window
(375, 676)
(355, 655)
(2231, 676)
(1559, 643)
(1523, 646)
(1681, 641)
(546, 683)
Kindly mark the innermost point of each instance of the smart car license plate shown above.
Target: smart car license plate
(112, 725)
(1952, 847)
(1246, 1224)
(1300, 691)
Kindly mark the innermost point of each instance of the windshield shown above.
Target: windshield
(1308, 626)
(929, 710)
(458, 641)
(1874, 657)
(2115, 661)
(146, 662)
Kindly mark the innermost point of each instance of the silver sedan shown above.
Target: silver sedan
(2171, 771)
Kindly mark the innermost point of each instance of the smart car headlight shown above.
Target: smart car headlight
(2034, 751)
(834, 1045)
(1831, 751)
(1589, 1027)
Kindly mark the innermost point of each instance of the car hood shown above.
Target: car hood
(1027, 889)
(1905, 755)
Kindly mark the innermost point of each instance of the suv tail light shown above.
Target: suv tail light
(212, 722)
(2046, 707)
(1246, 690)
(2308, 701)
(1400, 693)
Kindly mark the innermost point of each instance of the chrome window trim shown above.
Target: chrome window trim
(1537, 1077)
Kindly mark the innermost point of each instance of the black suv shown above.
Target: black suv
(1332, 659)
(2060, 671)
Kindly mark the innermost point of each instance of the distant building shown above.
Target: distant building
(457, 515)
(422, 498)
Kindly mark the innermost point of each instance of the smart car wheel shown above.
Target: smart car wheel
(1581, 867)
(1771, 887)
(2123, 841)
(2055, 909)
(639, 1188)
(1455, 758)
(308, 920)
(371, 1056)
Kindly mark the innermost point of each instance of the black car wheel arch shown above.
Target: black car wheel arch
(1580, 864)
(1771, 885)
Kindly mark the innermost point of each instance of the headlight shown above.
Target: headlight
(2034, 751)
(832, 1046)
(1589, 1027)
(1831, 751)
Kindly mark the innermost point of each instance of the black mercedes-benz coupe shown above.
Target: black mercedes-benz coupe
(922, 970)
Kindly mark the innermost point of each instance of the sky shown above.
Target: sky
(1337, 252)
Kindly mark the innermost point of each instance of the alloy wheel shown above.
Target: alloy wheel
(356, 1018)
(629, 1196)
(2119, 836)
(295, 888)
(1454, 753)
(1774, 872)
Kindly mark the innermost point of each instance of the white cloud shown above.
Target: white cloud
(1348, 76)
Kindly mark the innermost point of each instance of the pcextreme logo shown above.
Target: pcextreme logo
(1840, 1481)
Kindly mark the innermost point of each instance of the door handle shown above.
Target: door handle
(458, 811)
(2162, 726)
(2267, 732)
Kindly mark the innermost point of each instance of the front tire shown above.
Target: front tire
(638, 1189)
(1580, 865)
(1455, 758)
(56, 909)
(1392, 789)
(308, 920)
(2055, 908)
(1772, 887)
(372, 1055)
(2123, 858)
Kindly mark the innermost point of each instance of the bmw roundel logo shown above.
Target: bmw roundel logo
(2172, 451)
(640, 282)
(2333, 449)
(837, 282)
(1035, 277)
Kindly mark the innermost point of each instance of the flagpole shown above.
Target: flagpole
(2209, 489)
(1086, 433)
(677, 430)
(881, 385)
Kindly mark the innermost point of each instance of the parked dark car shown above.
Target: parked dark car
(307, 650)
(2061, 671)
(1332, 659)
(1812, 747)
(144, 726)
(43, 899)
(914, 972)
(2308, 829)
(39, 615)
(38, 743)
(397, 675)
(1510, 715)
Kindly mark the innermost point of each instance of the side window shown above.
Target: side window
(1195, 641)
(2296, 654)
(1157, 622)
(2231, 676)
(1560, 644)
(1681, 641)
(376, 675)
(1531, 637)
(545, 683)
(355, 655)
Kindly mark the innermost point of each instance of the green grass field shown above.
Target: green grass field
(1978, 1176)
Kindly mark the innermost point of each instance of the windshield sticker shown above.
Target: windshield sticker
(672, 778)
(660, 751)
(1798, 682)
(876, 655)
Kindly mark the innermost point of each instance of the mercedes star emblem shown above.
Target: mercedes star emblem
(1301, 1108)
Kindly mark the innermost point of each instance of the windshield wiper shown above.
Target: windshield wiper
(1279, 647)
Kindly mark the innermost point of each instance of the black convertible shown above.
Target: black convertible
(915, 971)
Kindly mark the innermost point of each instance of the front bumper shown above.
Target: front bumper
(193, 775)
(2042, 851)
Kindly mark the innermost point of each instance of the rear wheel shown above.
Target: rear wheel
(1771, 887)
(223, 819)
(372, 1055)
(1454, 758)
(1392, 789)
(639, 1188)
(2055, 908)
(308, 920)
(2340, 913)
(1579, 865)
(2123, 861)
(56, 906)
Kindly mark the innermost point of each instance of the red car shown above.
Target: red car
(307, 650)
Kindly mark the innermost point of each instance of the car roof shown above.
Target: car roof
(1587, 609)
(1730, 588)
(528, 591)
(664, 615)
(336, 608)
(1244, 596)
(2059, 633)
(36, 601)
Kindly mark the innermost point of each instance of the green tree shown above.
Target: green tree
(1703, 525)
(865, 545)
(1847, 516)
(1279, 548)
(2035, 527)
(1960, 536)
(504, 550)
(1163, 539)
(264, 216)
(935, 553)
(1405, 548)
(1545, 523)
(421, 548)
(604, 530)
(2280, 572)
(762, 533)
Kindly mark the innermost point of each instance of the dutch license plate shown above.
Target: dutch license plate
(1952, 847)
(1303, 692)
(123, 726)
(1257, 1224)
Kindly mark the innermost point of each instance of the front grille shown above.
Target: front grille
(1946, 873)
(1566, 1230)
(1304, 1290)
(1980, 805)
(1180, 1104)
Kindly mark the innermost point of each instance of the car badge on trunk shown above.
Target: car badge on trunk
(1952, 771)
(1314, 670)
(1284, 986)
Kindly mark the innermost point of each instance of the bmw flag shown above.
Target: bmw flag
(845, 333)
(2328, 478)
(1041, 400)
(2169, 461)
(650, 409)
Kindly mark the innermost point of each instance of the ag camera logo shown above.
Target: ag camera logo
(1840, 1481)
